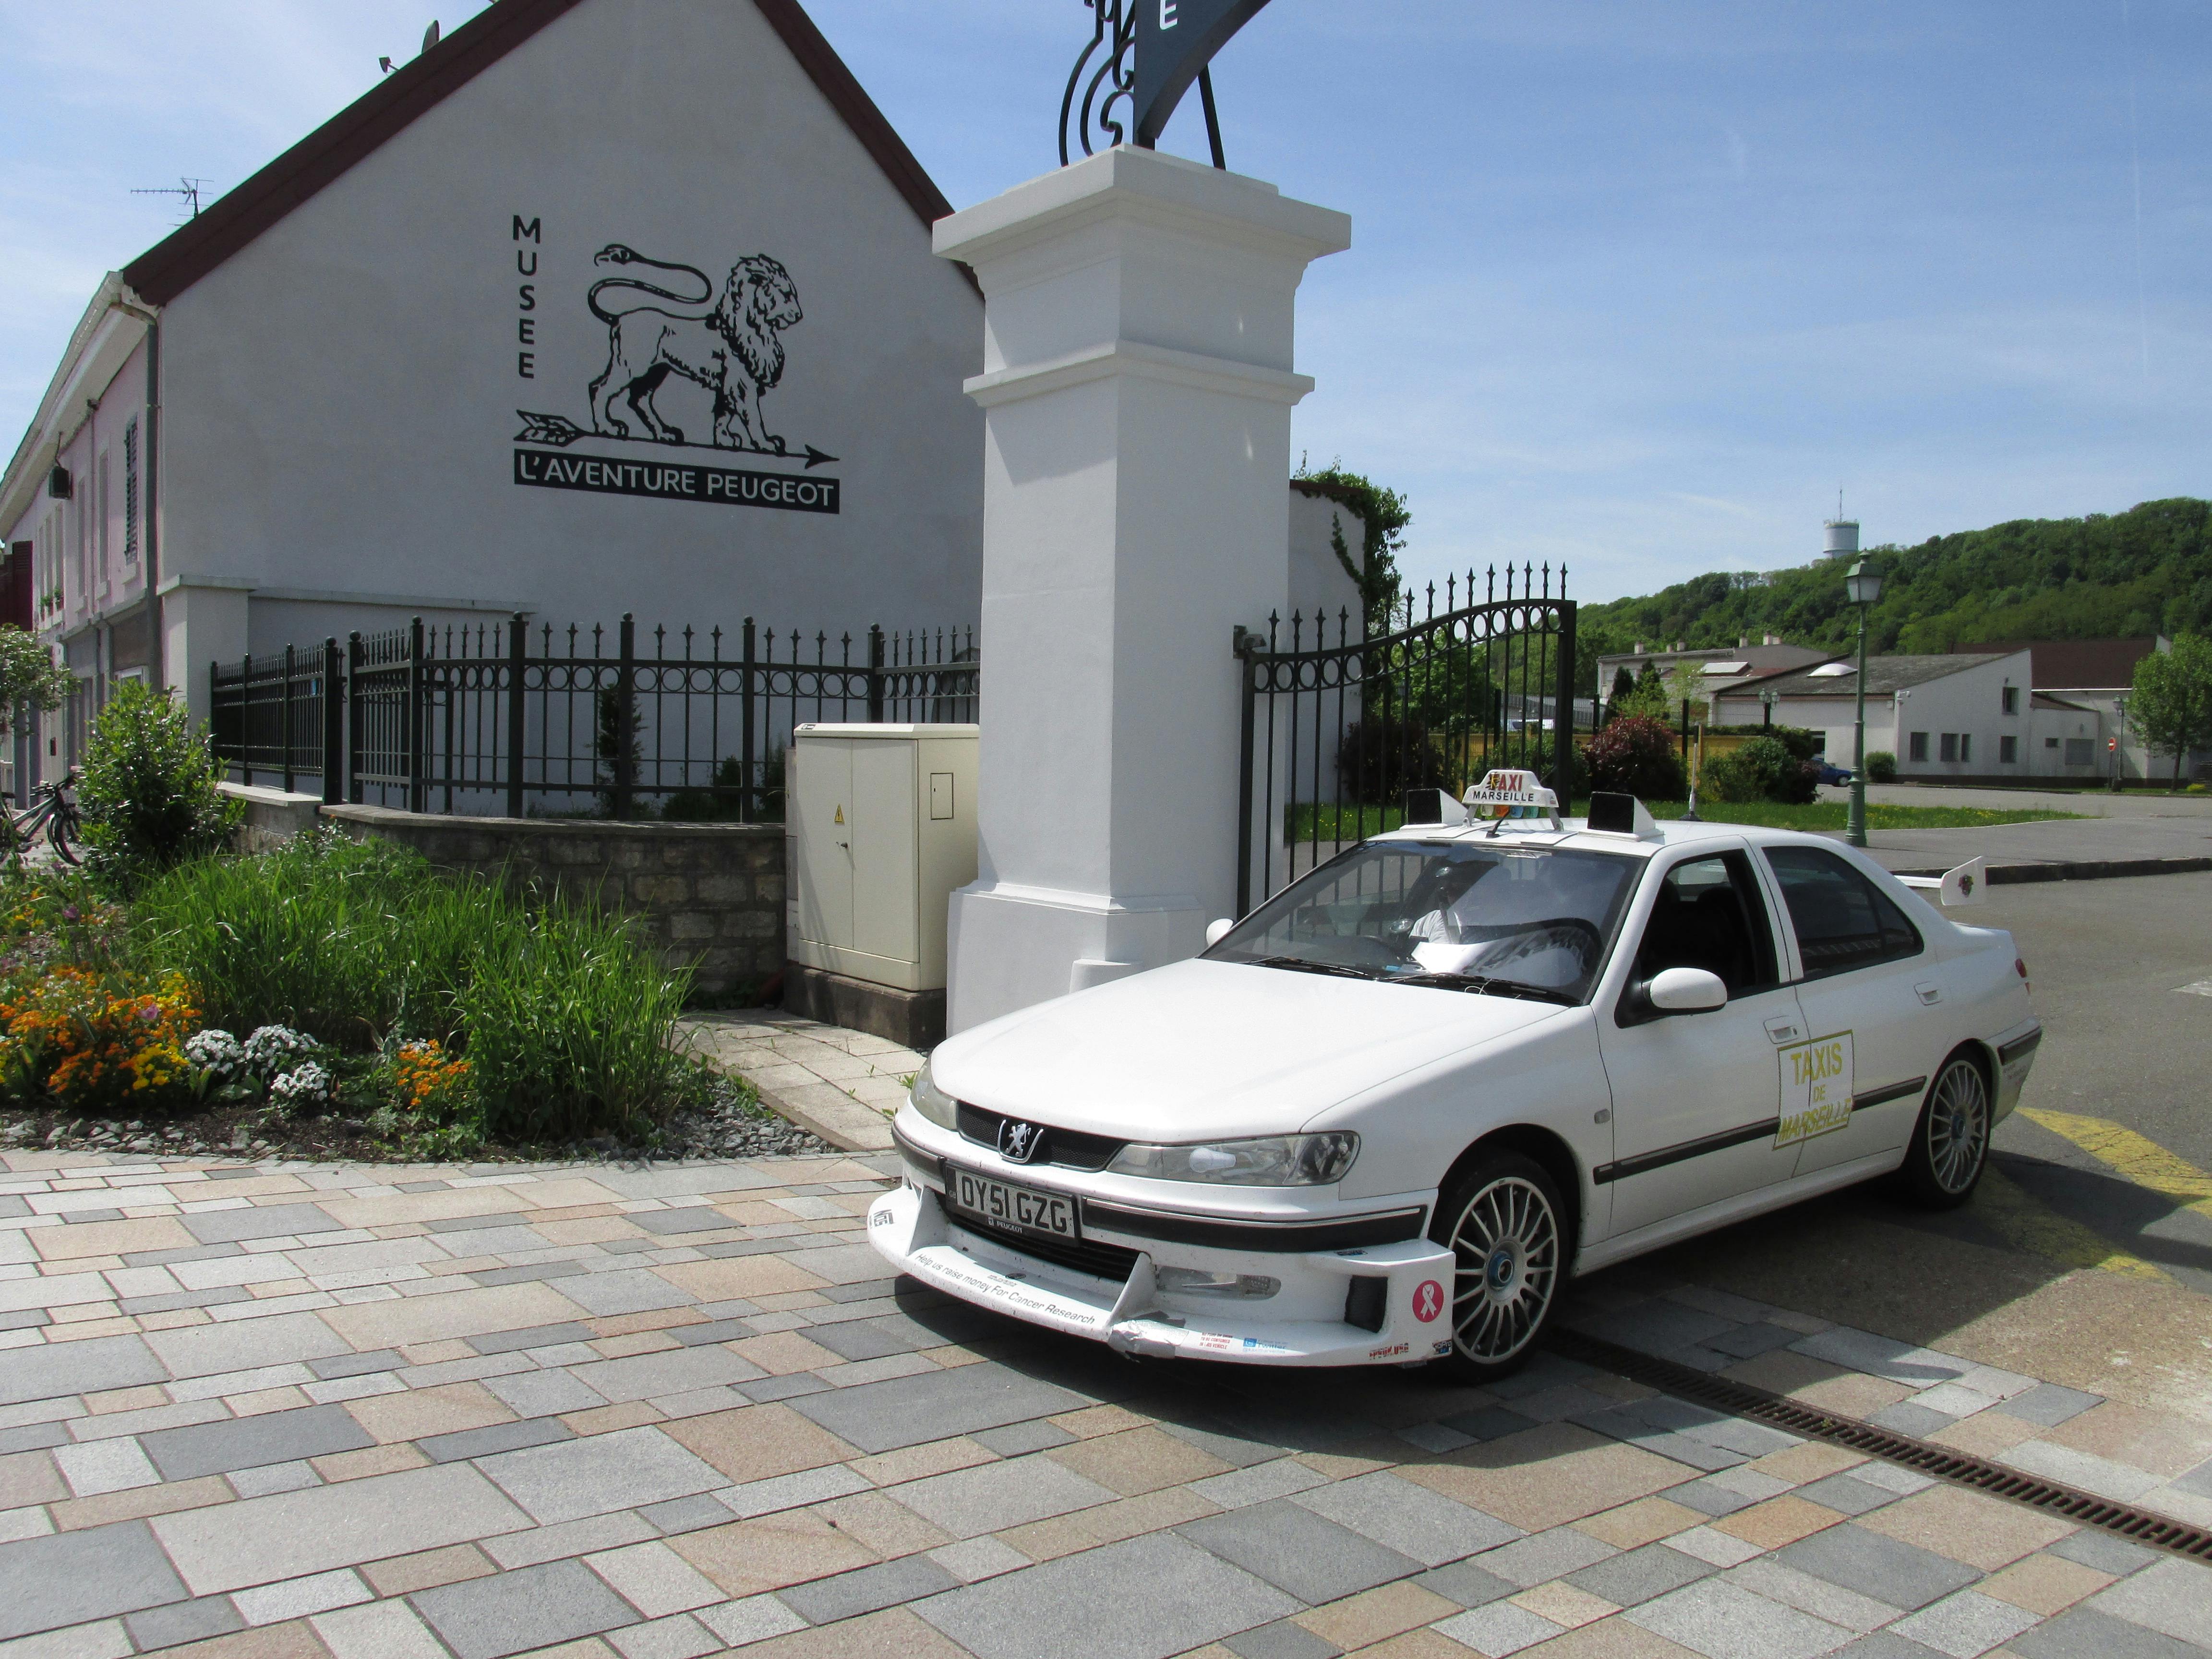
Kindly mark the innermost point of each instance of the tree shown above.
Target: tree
(29, 675)
(149, 794)
(2171, 708)
(1686, 683)
(1617, 700)
(1647, 699)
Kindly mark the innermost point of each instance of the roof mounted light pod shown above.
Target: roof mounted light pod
(1621, 815)
(1510, 794)
(1427, 806)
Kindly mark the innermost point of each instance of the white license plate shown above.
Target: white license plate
(1006, 1205)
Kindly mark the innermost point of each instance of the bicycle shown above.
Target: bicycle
(51, 811)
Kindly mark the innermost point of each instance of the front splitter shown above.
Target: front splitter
(909, 1229)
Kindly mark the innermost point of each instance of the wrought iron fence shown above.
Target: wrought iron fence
(473, 717)
(1338, 725)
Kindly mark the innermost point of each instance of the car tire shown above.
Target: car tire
(1502, 1217)
(1950, 1145)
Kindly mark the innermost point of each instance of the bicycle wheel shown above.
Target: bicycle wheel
(59, 829)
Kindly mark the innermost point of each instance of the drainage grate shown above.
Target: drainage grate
(1742, 1400)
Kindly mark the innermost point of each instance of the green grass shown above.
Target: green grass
(1328, 822)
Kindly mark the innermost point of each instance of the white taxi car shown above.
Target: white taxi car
(1384, 1117)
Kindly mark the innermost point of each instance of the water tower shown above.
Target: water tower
(1843, 538)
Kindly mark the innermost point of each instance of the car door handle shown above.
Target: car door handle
(1928, 992)
(1782, 1029)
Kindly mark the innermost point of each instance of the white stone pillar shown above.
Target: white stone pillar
(1137, 387)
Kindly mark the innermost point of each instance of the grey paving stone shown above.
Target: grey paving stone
(905, 1411)
(542, 1394)
(1882, 1356)
(494, 1438)
(2101, 1550)
(535, 1270)
(1884, 1645)
(2080, 1632)
(12, 1204)
(1639, 1575)
(1723, 1621)
(863, 1290)
(195, 1253)
(995, 1496)
(1747, 1341)
(1967, 1623)
(25, 1319)
(1468, 1584)
(1676, 1443)
(692, 1219)
(2048, 1404)
(219, 1297)
(68, 1577)
(713, 1330)
(1410, 1519)
(1778, 1581)
(245, 1344)
(1844, 1493)
(671, 1370)
(1297, 1551)
(2172, 1596)
(1903, 1575)
(1241, 1451)
(184, 1621)
(2199, 1480)
(33, 1437)
(1657, 1326)
(264, 1221)
(1018, 1438)
(848, 1594)
(604, 1472)
(272, 1477)
(1489, 1423)
(1709, 1498)
(784, 1388)
(535, 1336)
(1544, 1556)
(1145, 1598)
(622, 1291)
(1906, 1418)
(53, 1369)
(871, 1338)
(95, 1215)
(1280, 1640)
(289, 1534)
(246, 1442)
(357, 1364)
(513, 1612)
(687, 1514)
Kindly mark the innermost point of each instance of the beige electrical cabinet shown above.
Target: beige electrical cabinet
(882, 829)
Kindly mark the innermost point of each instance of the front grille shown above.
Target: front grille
(1108, 1261)
(1069, 1148)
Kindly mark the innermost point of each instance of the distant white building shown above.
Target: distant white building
(1718, 668)
(1960, 717)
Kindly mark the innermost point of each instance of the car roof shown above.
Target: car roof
(1672, 832)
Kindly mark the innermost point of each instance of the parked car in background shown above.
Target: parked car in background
(1830, 772)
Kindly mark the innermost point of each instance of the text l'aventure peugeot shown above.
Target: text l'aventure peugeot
(1383, 1118)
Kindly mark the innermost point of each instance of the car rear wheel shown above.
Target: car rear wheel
(1951, 1143)
(1504, 1221)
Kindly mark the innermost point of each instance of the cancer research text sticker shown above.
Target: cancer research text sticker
(1816, 1089)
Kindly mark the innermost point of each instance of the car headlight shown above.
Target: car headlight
(1269, 1161)
(932, 1102)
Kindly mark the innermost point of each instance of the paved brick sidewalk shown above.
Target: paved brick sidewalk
(843, 1086)
(348, 1413)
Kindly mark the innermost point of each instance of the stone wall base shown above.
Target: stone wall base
(915, 1019)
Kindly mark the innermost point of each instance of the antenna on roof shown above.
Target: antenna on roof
(430, 35)
(384, 65)
(187, 189)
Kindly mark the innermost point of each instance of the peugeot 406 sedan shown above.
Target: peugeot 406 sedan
(1383, 1118)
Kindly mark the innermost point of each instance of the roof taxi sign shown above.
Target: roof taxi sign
(1143, 56)
(1505, 793)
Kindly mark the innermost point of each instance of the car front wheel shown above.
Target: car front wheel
(1951, 1143)
(1504, 1221)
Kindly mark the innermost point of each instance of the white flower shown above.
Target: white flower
(217, 1053)
(306, 1084)
(275, 1048)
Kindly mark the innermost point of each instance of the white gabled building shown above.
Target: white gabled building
(1959, 717)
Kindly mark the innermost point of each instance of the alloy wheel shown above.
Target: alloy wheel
(1958, 1127)
(1507, 1243)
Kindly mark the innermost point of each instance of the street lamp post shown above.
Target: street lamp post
(1863, 586)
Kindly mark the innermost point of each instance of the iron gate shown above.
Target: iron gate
(1338, 725)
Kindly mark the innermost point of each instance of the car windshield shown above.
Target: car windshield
(1478, 915)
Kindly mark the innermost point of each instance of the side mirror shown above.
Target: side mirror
(1215, 931)
(1686, 991)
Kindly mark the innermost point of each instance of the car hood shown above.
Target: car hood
(1207, 1048)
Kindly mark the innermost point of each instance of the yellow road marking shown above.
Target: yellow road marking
(2031, 1226)
(2142, 1160)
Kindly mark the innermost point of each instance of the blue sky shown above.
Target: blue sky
(1633, 286)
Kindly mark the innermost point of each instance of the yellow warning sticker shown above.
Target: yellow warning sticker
(840, 813)
(1816, 1089)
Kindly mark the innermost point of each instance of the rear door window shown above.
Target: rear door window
(1843, 920)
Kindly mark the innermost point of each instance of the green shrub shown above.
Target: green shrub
(29, 675)
(149, 794)
(1635, 755)
(1760, 769)
(1881, 767)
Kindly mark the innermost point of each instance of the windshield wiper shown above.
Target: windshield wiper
(1307, 966)
(1482, 984)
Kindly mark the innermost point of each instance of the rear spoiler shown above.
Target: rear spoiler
(1967, 884)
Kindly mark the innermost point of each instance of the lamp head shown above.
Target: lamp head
(1863, 585)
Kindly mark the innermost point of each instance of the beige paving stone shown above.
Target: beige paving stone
(1983, 1532)
(2157, 1440)
(607, 1419)
(750, 1277)
(1563, 1604)
(1424, 1643)
(747, 1558)
(564, 1191)
(1809, 1461)
(642, 1323)
(1376, 1615)
(450, 1314)
(1335, 1465)
(74, 1514)
(916, 1462)
(369, 1460)
(782, 1353)
(113, 1238)
(294, 1639)
(1778, 1520)
(1645, 1521)
(636, 1342)
(894, 1633)
(1987, 1434)
(31, 1478)
(1608, 1638)
(446, 1205)
(1152, 1511)
(1137, 1461)
(1547, 1475)
(1094, 1420)
(1049, 1539)
(951, 1355)
(754, 1442)
(403, 1575)
(126, 1399)
(260, 1402)
(414, 1413)
(435, 1353)
(589, 1229)
(884, 1524)
(2044, 1584)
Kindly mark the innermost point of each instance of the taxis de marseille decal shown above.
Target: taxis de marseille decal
(1816, 1089)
